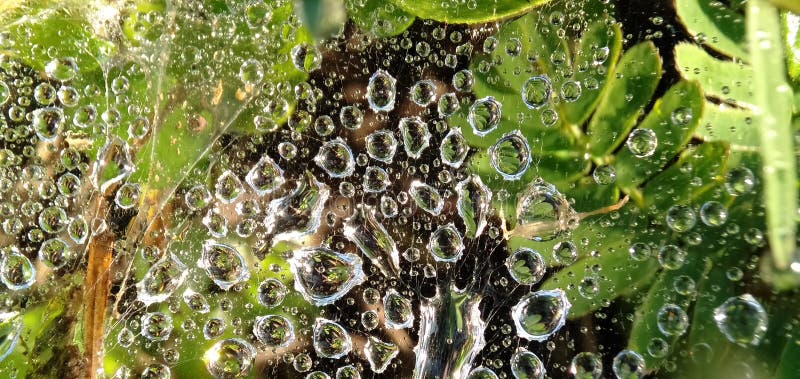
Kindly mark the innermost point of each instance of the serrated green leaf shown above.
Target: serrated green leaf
(727, 81)
(724, 123)
(714, 24)
(630, 89)
(466, 12)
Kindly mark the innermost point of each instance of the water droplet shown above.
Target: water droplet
(375, 179)
(271, 292)
(536, 92)
(228, 187)
(155, 371)
(381, 91)
(331, 340)
(379, 354)
(473, 204)
(10, 330)
(681, 116)
(448, 104)
(423, 92)
(47, 122)
(446, 244)
(739, 181)
(127, 196)
(543, 213)
(713, 213)
(381, 145)
(230, 358)
(323, 276)
(628, 364)
(463, 80)
(197, 197)
(195, 301)
(416, 136)
(113, 165)
(53, 219)
(16, 270)
(223, 264)
(680, 218)
(336, 158)
(161, 280)
(397, 310)
(510, 156)
(484, 115)
(374, 241)
(639, 251)
(586, 365)
(273, 331)
(540, 314)
(526, 266)
(213, 328)
(251, 72)
(156, 326)
(454, 148)
(299, 213)
(642, 143)
(742, 320)
(347, 372)
(62, 69)
(604, 175)
(526, 365)
(306, 58)
(672, 320)
(671, 257)
(351, 117)
(426, 197)
(265, 176)
(482, 373)
(55, 253)
(571, 91)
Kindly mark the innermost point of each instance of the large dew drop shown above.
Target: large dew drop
(628, 364)
(331, 340)
(397, 310)
(381, 146)
(426, 197)
(416, 136)
(297, 214)
(526, 365)
(273, 331)
(230, 358)
(224, 264)
(47, 122)
(540, 314)
(543, 213)
(510, 156)
(161, 280)
(265, 176)
(381, 91)
(446, 244)
(473, 204)
(536, 92)
(454, 148)
(526, 266)
(363, 229)
(379, 354)
(742, 320)
(336, 158)
(16, 270)
(323, 276)
(484, 115)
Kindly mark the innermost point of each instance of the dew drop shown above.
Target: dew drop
(642, 143)
(484, 115)
(381, 91)
(536, 92)
(224, 264)
(510, 156)
(230, 358)
(742, 320)
(540, 314)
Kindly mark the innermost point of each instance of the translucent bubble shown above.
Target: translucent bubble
(681, 218)
(213, 328)
(10, 331)
(739, 181)
(324, 126)
(604, 175)
(376, 179)
(526, 365)
(463, 80)
(484, 115)
(672, 320)
(265, 176)
(224, 264)
(540, 314)
(510, 156)
(454, 148)
(381, 145)
(369, 320)
(16, 270)
(713, 213)
(426, 197)
(589, 287)
(155, 371)
(671, 257)
(317, 375)
(230, 358)
(526, 266)
(473, 204)
(78, 230)
(55, 253)
(273, 331)
(565, 253)
(336, 158)
(45, 94)
(549, 117)
(482, 373)
(381, 91)
(684, 285)
(388, 207)
(195, 301)
(536, 91)
(323, 276)
(379, 354)
(446, 244)
(53, 219)
(271, 292)
(69, 96)
(543, 213)
(347, 372)
(681, 116)
(416, 136)
(125, 337)
(639, 251)
(397, 310)
(62, 69)
(197, 197)
(642, 143)
(306, 58)
(127, 196)
(742, 320)
(47, 122)
(423, 92)
(228, 187)
(657, 347)
(251, 72)
(586, 365)
(156, 326)
(571, 91)
(628, 364)
(351, 117)
(331, 340)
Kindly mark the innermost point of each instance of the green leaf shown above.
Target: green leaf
(381, 18)
(467, 12)
(790, 24)
(673, 118)
(773, 101)
(721, 122)
(630, 89)
(727, 81)
(322, 18)
(714, 24)
(789, 366)
(789, 5)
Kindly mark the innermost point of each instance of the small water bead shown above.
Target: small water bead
(306, 57)
(224, 264)
(53, 219)
(381, 91)
(565, 253)
(426, 197)
(381, 145)
(604, 175)
(127, 196)
(156, 326)
(510, 156)
(388, 207)
(628, 364)
(273, 331)
(375, 179)
(446, 244)
(642, 143)
(539, 315)
(16, 270)
(156, 371)
(586, 365)
(331, 340)
(351, 117)
(448, 104)
(526, 266)
(125, 337)
(230, 358)
(323, 276)
(739, 181)
(213, 328)
(672, 320)
(68, 96)
(415, 134)
(336, 158)
(536, 91)
(265, 177)
(324, 126)
(671, 257)
(589, 287)
(195, 301)
(681, 218)
(484, 115)
(742, 319)
(454, 148)
(571, 91)
(684, 285)
(47, 122)
(216, 223)
(526, 365)
(347, 372)
(482, 373)
(228, 187)
(55, 253)
(62, 69)
(197, 197)
(713, 213)
(271, 292)
(379, 354)
(423, 92)
(463, 80)
(251, 72)
(640, 251)
(369, 319)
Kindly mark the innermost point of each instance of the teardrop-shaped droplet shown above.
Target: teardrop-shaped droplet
(113, 165)
(376, 179)
(374, 241)
(742, 320)
(484, 115)
(336, 158)
(323, 276)
(446, 244)
(230, 358)
(526, 365)
(381, 145)
(454, 148)
(16, 270)
(299, 213)
(536, 92)
(273, 331)
(526, 266)
(55, 253)
(306, 57)
(379, 354)
(426, 197)
(540, 314)
(331, 340)
(543, 213)
(265, 176)
(228, 187)
(351, 117)
(397, 310)
(224, 264)
(474, 201)
(416, 136)
(161, 280)
(510, 156)
(53, 219)
(196, 301)
(10, 330)
(381, 91)
(47, 122)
